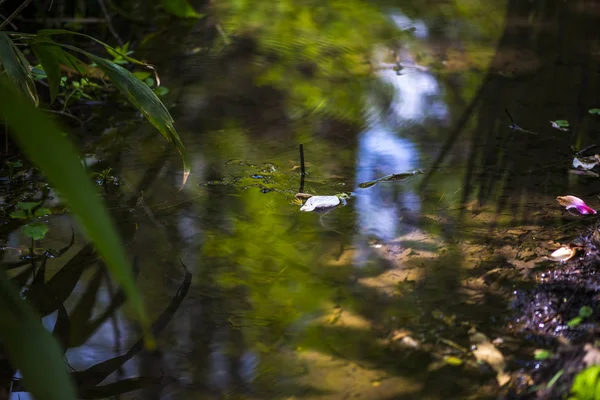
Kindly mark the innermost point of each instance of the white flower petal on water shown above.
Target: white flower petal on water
(317, 203)
(563, 254)
(585, 163)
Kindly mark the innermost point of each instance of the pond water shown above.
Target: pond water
(378, 299)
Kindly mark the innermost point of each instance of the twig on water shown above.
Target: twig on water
(516, 127)
(586, 149)
(302, 168)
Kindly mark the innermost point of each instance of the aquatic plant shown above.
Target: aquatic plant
(53, 56)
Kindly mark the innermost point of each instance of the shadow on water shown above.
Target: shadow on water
(379, 299)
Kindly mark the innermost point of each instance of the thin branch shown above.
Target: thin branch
(66, 114)
(12, 25)
(14, 14)
(68, 20)
(109, 23)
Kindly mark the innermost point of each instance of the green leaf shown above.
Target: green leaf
(594, 111)
(586, 384)
(542, 354)
(144, 99)
(27, 205)
(51, 32)
(14, 65)
(19, 214)
(180, 8)
(50, 56)
(141, 75)
(41, 212)
(575, 322)
(44, 144)
(562, 123)
(35, 230)
(555, 378)
(161, 91)
(31, 348)
(586, 311)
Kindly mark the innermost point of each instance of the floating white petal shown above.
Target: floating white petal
(317, 203)
(563, 254)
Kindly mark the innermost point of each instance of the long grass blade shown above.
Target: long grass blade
(15, 67)
(43, 143)
(31, 348)
(49, 55)
(144, 99)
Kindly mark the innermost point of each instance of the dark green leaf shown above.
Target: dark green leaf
(18, 214)
(35, 230)
(27, 205)
(31, 348)
(161, 91)
(14, 65)
(141, 75)
(51, 32)
(44, 144)
(50, 55)
(41, 212)
(586, 311)
(144, 99)
(180, 8)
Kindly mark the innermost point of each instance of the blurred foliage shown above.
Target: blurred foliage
(586, 385)
(318, 53)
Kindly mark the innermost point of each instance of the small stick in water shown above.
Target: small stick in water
(302, 169)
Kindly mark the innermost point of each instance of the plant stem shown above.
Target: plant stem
(14, 14)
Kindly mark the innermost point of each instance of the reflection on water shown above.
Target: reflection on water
(383, 147)
(369, 301)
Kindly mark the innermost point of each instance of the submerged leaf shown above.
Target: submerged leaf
(388, 178)
(486, 352)
(563, 254)
(575, 202)
(590, 174)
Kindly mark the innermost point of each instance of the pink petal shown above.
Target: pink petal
(584, 209)
(575, 202)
